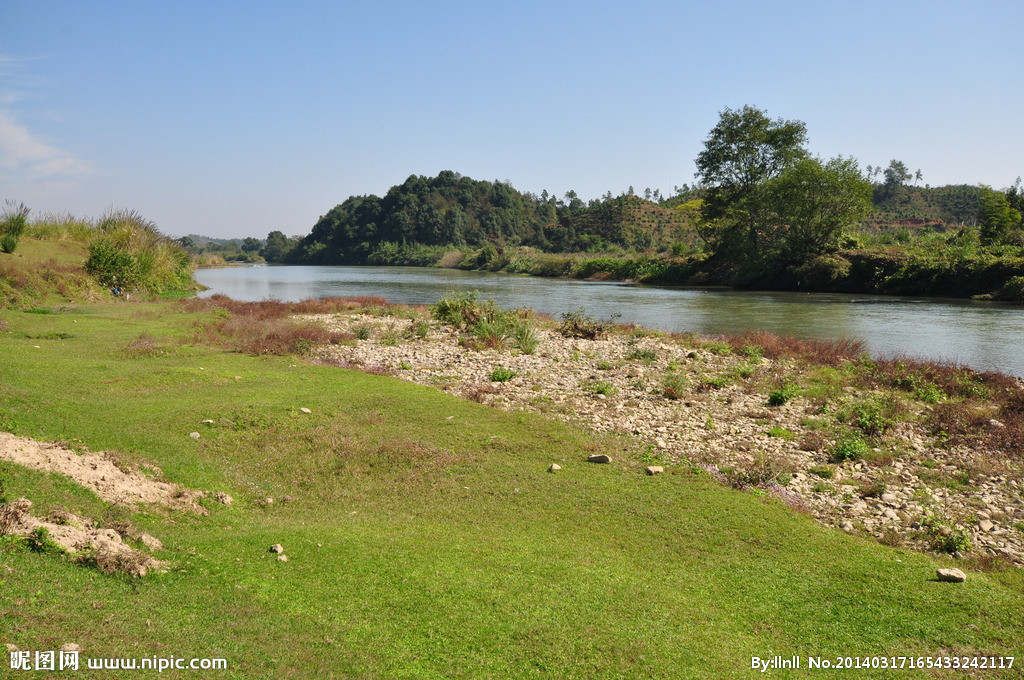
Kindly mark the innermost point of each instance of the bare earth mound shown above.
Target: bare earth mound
(96, 471)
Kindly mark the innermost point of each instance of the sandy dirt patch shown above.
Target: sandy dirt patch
(96, 470)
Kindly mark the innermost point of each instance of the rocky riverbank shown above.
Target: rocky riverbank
(779, 427)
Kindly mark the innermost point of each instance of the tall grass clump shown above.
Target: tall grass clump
(485, 323)
(129, 253)
(12, 225)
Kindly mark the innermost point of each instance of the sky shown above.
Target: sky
(233, 119)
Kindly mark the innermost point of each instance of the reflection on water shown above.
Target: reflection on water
(986, 336)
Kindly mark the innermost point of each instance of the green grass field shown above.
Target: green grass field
(425, 537)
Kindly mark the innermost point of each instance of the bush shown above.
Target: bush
(851, 446)
(675, 386)
(601, 387)
(131, 254)
(15, 218)
(782, 395)
(576, 324)
(642, 354)
(945, 538)
(502, 374)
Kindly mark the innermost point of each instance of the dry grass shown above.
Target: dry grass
(824, 352)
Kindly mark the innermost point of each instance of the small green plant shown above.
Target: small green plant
(419, 329)
(822, 487)
(389, 338)
(39, 541)
(851, 446)
(525, 338)
(502, 374)
(605, 365)
(675, 386)
(363, 331)
(642, 354)
(754, 354)
(601, 387)
(782, 395)
(871, 416)
(930, 393)
(781, 433)
(823, 471)
(405, 365)
(709, 423)
(717, 382)
(944, 537)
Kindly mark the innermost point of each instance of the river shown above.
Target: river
(982, 335)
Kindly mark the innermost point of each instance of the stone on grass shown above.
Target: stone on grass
(282, 558)
(194, 435)
(277, 548)
(70, 647)
(223, 498)
(207, 422)
(554, 467)
(986, 525)
(12, 648)
(305, 410)
(950, 575)
(599, 458)
(655, 469)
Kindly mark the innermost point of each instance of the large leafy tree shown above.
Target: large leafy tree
(996, 215)
(742, 152)
(810, 203)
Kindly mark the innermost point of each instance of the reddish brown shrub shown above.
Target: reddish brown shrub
(825, 352)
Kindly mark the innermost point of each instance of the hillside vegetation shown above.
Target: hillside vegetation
(65, 259)
(765, 214)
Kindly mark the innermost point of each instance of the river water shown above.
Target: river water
(982, 335)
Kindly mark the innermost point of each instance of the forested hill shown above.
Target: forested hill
(455, 211)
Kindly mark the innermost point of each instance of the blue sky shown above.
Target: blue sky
(233, 119)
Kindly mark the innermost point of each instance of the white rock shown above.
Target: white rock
(655, 469)
(554, 467)
(599, 458)
(986, 525)
(950, 575)
(277, 548)
(303, 409)
(194, 435)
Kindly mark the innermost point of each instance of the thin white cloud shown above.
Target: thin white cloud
(28, 157)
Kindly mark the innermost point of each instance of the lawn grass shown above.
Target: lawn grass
(425, 537)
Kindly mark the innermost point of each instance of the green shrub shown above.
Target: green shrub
(601, 387)
(525, 338)
(781, 433)
(823, 471)
(675, 386)
(943, 537)
(130, 254)
(12, 225)
(782, 395)
(851, 446)
(642, 354)
(39, 541)
(502, 374)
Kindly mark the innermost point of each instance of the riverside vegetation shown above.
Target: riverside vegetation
(425, 536)
(765, 213)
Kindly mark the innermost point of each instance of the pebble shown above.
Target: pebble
(303, 409)
(277, 548)
(655, 469)
(194, 435)
(554, 467)
(599, 458)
